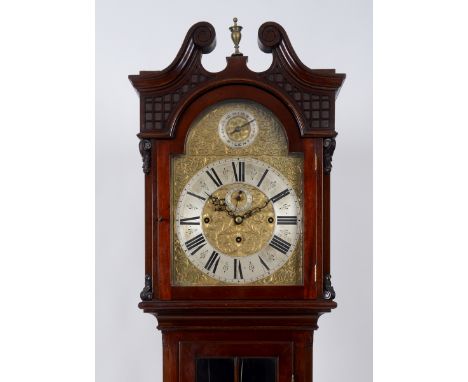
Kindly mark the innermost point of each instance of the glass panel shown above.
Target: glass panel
(258, 369)
(215, 370)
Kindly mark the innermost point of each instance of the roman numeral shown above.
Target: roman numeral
(196, 196)
(214, 177)
(190, 221)
(197, 249)
(196, 242)
(263, 263)
(280, 244)
(238, 269)
(213, 261)
(261, 179)
(279, 196)
(239, 173)
(286, 220)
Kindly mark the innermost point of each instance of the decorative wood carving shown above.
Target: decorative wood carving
(313, 91)
(329, 145)
(310, 94)
(145, 151)
(328, 290)
(161, 91)
(147, 293)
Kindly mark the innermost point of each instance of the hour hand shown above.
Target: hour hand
(215, 200)
(220, 204)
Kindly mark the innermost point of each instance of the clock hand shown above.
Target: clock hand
(238, 128)
(220, 205)
(245, 124)
(238, 198)
(255, 210)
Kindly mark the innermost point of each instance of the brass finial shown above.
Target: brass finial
(236, 37)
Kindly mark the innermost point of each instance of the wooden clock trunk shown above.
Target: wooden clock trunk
(237, 333)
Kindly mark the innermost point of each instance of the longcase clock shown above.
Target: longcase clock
(237, 204)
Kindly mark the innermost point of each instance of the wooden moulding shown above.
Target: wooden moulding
(219, 315)
(309, 93)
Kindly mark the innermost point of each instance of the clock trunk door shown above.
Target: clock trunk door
(236, 362)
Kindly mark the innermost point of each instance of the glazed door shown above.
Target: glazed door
(236, 362)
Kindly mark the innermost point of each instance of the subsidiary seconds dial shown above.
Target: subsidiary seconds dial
(238, 220)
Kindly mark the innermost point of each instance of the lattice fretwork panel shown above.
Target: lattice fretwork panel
(316, 106)
(158, 108)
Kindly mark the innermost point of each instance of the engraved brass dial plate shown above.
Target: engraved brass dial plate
(237, 210)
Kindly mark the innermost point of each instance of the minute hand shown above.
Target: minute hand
(255, 210)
